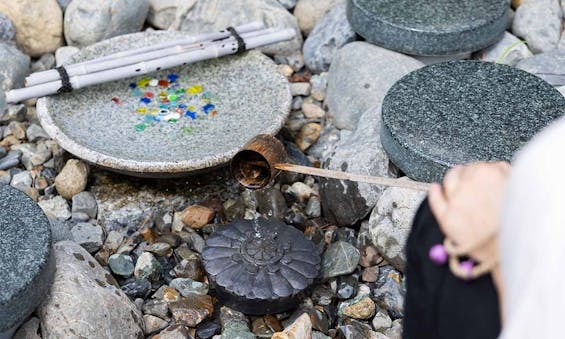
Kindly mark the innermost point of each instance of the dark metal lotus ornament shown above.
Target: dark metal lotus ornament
(261, 266)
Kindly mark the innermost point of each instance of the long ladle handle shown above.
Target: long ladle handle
(402, 183)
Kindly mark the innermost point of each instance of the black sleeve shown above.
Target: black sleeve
(439, 305)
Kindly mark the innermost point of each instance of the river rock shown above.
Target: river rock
(122, 265)
(13, 68)
(147, 267)
(63, 54)
(85, 203)
(550, 66)
(86, 301)
(381, 321)
(153, 324)
(361, 307)
(308, 12)
(339, 259)
(56, 208)
(390, 292)
(87, 22)
(213, 15)
(301, 328)
(7, 29)
(507, 50)
(359, 78)
(162, 12)
(391, 221)
(331, 33)
(72, 178)
(347, 202)
(354, 329)
(188, 287)
(10, 160)
(89, 236)
(39, 24)
(539, 23)
(29, 330)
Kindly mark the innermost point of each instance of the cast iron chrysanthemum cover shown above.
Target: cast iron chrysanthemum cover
(260, 267)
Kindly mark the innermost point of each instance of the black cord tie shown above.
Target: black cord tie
(240, 42)
(65, 80)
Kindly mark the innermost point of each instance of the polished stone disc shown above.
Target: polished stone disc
(426, 27)
(260, 267)
(463, 111)
(26, 263)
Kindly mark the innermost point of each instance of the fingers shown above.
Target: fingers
(451, 180)
(438, 202)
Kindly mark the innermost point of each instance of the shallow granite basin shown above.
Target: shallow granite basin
(222, 103)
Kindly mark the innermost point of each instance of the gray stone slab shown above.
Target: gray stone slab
(463, 111)
(424, 27)
(250, 97)
(26, 263)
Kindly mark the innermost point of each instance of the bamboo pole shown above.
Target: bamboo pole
(384, 181)
(215, 50)
(123, 58)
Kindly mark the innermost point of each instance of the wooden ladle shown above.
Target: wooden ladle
(263, 157)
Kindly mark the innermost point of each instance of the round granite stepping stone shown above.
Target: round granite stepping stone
(426, 27)
(261, 268)
(463, 111)
(171, 122)
(26, 264)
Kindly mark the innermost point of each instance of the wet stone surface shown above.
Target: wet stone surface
(463, 111)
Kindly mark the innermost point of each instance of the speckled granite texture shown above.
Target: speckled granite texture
(250, 95)
(26, 263)
(462, 111)
(425, 27)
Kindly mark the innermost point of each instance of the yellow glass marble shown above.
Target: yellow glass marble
(144, 82)
(194, 89)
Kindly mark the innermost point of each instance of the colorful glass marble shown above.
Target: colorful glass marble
(166, 100)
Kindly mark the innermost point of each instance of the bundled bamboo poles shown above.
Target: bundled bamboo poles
(148, 59)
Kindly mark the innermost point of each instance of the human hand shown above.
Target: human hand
(467, 206)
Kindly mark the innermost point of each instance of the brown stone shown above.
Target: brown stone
(370, 274)
(153, 324)
(362, 309)
(192, 310)
(308, 135)
(301, 328)
(191, 268)
(170, 295)
(369, 256)
(72, 179)
(174, 332)
(197, 216)
(39, 24)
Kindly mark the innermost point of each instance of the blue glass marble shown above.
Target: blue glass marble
(190, 114)
(132, 85)
(207, 108)
(145, 100)
(172, 77)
